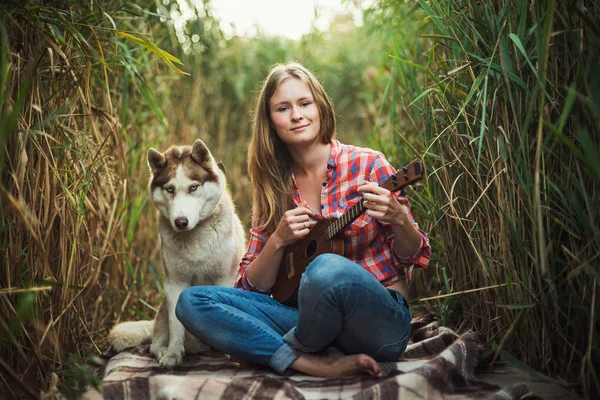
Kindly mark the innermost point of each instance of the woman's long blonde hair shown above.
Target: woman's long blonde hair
(269, 161)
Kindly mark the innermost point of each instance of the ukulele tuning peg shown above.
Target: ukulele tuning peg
(414, 187)
(405, 170)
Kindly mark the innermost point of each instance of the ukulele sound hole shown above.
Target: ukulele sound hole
(311, 249)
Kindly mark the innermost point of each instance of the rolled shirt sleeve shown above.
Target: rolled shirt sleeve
(258, 239)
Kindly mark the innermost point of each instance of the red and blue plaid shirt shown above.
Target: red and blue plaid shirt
(368, 241)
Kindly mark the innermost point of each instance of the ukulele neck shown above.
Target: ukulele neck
(346, 219)
(408, 175)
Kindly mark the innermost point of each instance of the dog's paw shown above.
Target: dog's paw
(171, 359)
(120, 344)
(158, 350)
(130, 334)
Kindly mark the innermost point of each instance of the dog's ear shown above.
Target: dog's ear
(156, 161)
(201, 155)
(221, 167)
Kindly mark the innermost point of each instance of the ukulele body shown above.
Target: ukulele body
(296, 258)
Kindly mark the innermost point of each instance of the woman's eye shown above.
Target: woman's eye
(193, 188)
(304, 104)
(281, 109)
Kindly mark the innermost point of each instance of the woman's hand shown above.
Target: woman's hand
(381, 204)
(293, 226)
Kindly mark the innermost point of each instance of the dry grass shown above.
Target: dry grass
(68, 202)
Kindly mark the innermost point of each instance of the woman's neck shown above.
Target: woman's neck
(310, 160)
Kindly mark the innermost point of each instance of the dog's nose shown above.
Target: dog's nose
(181, 223)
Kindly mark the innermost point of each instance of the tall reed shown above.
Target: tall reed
(506, 98)
(77, 111)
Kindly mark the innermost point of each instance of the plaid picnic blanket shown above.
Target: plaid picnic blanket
(445, 370)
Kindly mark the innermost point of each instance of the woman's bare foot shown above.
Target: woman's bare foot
(334, 363)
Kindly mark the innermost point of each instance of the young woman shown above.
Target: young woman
(351, 310)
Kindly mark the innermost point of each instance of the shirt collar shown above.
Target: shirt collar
(334, 155)
(336, 148)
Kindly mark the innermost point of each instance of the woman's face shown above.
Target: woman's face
(294, 113)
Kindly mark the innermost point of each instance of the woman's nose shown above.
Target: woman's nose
(296, 114)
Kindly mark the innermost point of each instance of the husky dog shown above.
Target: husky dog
(202, 242)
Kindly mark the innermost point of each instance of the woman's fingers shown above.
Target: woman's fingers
(296, 223)
(303, 219)
(375, 207)
(304, 209)
(302, 226)
(380, 202)
(373, 200)
(370, 187)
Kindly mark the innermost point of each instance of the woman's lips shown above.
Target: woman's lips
(299, 128)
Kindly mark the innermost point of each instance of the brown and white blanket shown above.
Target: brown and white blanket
(438, 364)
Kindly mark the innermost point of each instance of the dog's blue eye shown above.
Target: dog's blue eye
(193, 188)
(170, 190)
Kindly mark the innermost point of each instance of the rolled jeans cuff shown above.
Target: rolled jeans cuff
(282, 358)
(291, 339)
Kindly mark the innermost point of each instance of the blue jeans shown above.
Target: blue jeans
(340, 304)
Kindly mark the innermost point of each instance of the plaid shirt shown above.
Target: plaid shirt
(368, 241)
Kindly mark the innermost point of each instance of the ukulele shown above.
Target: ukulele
(327, 237)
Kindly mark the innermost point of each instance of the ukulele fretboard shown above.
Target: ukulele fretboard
(345, 220)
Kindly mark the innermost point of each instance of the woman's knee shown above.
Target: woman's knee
(192, 300)
(332, 268)
(185, 303)
(323, 269)
(331, 271)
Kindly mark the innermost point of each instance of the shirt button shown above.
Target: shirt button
(324, 183)
(322, 207)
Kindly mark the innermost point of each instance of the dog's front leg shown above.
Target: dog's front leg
(175, 350)
(160, 335)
